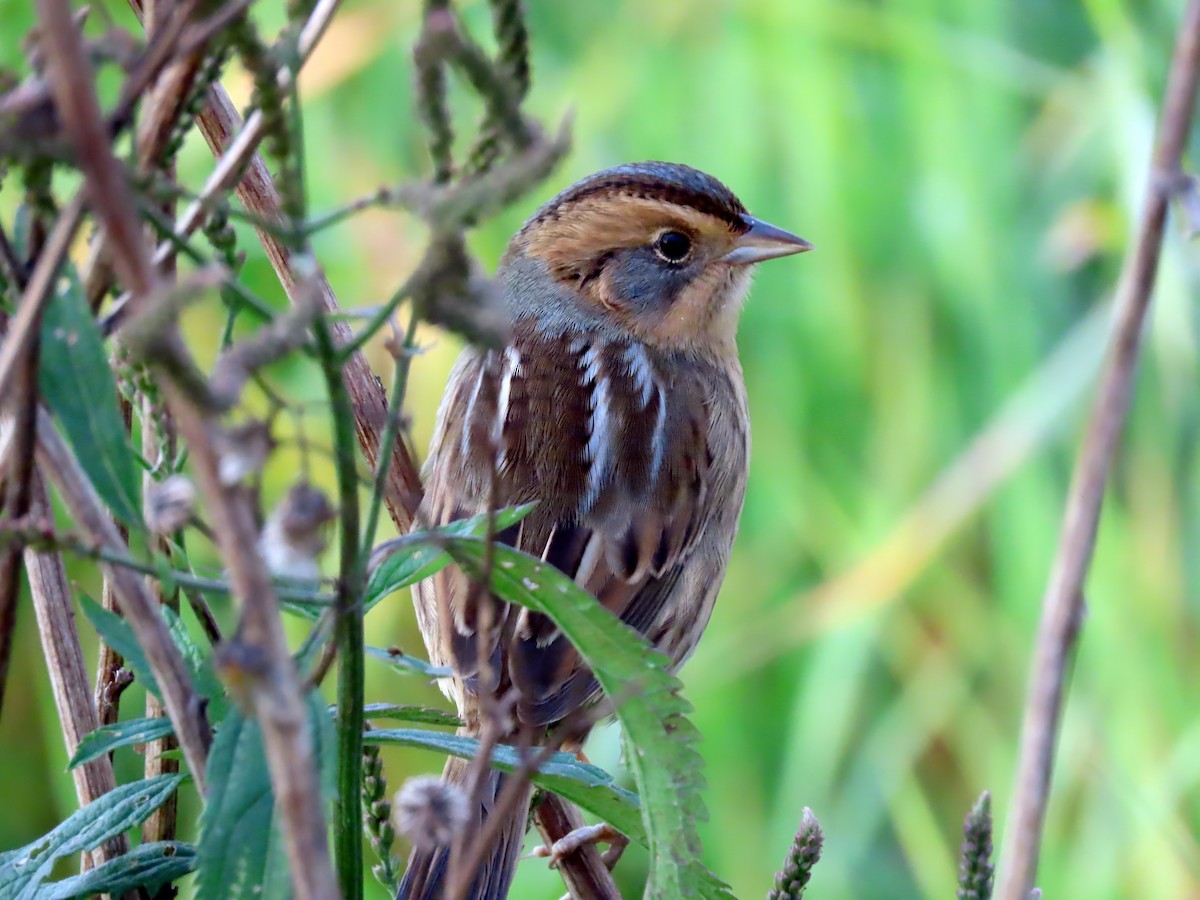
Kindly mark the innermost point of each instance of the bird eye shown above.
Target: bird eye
(673, 246)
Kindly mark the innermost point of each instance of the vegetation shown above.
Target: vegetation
(971, 174)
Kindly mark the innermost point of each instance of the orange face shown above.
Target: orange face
(667, 262)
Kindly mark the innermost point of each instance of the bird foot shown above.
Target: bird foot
(581, 837)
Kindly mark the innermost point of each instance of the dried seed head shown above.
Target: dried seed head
(431, 811)
(169, 504)
(244, 451)
(294, 534)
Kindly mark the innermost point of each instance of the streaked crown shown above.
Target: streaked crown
(658, 250)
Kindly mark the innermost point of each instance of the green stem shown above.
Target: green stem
(377, 321)
(391, 433)
(348, 630)
(164, 574)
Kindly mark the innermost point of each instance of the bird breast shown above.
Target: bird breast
(588, 426)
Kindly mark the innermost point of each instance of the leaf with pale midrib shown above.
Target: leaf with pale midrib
(77, 382)
(240, 853)
(149, 866)
(114, 813)
(660, 741)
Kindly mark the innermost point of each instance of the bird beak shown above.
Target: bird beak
(761, 240)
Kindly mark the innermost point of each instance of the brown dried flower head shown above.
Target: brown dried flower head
(431, 811)
(294, 534)
(169, 504)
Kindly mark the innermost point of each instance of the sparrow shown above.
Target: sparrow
(618, 405)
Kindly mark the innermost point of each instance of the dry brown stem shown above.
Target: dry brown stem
(111, 675)
(161, 826)
(273, 689)
(583, 870)
(16, 491)
(23, 327)
(260, 656)
(1062, 605)
(18, 362)
(72, 83)
(136, 602)
(220, 123)
(55, 614)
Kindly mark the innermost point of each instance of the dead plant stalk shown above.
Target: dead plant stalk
(1062, 605)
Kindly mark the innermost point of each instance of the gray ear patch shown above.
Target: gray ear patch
(639, 277)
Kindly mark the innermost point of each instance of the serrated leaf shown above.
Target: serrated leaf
(660, 741)
(117, 634)
(198, 659)
(149, 866)
(236, 854)
(412, 558)
(107, 738)
(588, 787)
(325, 743)
(416, 556)
(124, 807)
(75, 378)
(421, 715)
(408, 665)
(240, 852)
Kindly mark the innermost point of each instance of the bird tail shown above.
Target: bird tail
(427, 876)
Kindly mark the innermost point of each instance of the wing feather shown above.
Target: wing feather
(618, 448)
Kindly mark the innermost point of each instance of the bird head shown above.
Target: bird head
(658, 252)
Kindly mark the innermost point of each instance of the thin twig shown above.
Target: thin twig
(137, 603)
(161, 826)
(1062, 606)
(72, 83)
(23, 327)
(220, 122)
(583, 870)
(18, 362)
(11, 268)
(270, 678)
(515, 786)
(17, 492)
(111, 675)
(172, 577)
(403, 355)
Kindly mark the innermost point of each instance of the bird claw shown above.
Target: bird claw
(581, 837)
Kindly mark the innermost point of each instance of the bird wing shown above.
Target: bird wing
(617, 449)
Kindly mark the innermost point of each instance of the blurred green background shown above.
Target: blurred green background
(970, 172)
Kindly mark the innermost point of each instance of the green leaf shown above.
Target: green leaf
(588, 787)
(149, 866)
(75, 378)
(660, 741)
(239, 852)
(120, 734)
(127, 806)
(117, 634)
(416, 556)
(408, 665)
(412, 558)
(421, 715)
(325, 743)
(198, 659)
